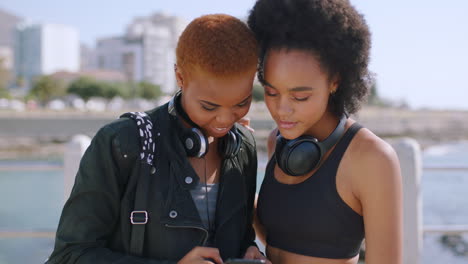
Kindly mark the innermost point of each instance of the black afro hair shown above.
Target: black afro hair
(332, 30)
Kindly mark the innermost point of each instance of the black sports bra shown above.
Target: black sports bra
(310, 218)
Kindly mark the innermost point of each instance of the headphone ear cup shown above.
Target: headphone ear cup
(195, 143)
(302, 156)
(298, 156)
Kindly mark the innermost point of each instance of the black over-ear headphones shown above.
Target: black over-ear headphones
(301, 155)
(194, 141)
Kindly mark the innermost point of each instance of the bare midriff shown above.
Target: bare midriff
(279, 256)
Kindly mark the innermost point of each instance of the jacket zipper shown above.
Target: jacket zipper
(196, 227)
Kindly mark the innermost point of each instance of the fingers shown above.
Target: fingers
(202, 255)
(209, 253)
(245, 121)
(253, 253)
(249, 254)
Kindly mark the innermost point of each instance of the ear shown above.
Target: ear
(179, 76)
(334, 83)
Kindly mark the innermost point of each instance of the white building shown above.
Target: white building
(8, 22)
(146, 52)
(88, 58)
(41, 49)
(159, 33)
(121, 54)
(6, 57)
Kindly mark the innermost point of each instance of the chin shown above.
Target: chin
(288, 134)
(211, 133)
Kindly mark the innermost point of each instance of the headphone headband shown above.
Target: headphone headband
(175, 109)
(335, 135)
(194, 141)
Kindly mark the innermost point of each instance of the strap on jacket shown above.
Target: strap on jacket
(139, 216)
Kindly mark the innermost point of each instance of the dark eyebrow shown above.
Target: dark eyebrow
(264, 82)
(213, 104)
(295, 89)
(301, 89)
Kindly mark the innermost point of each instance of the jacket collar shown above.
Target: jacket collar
(232, 189)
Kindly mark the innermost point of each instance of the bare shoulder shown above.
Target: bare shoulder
(367, 146)
(374, 162)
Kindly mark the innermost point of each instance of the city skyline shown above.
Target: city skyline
(418, 50)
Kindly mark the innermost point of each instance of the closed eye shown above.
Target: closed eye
(269, 91)
(208, 108)
(245, 102)
(301, 99)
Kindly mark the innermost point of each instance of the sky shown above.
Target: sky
(419, 47)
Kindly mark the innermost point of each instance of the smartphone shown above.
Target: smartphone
(244, 261)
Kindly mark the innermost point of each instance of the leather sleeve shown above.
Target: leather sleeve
(91, 213)
(251, 187)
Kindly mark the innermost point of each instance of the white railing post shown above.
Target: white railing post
(74, 150)
(409, 154)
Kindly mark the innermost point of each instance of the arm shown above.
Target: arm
(252, 251)
(380, 193)
(251, 188)
(91, 214)
(259, 229)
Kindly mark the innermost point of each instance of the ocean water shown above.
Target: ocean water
(32, 201)
(445, 201)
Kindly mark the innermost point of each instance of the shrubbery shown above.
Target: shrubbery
(45, 88)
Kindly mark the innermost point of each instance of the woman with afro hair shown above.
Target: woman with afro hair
(329, 182)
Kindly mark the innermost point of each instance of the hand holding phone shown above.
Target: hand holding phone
(202, 255)
(244, 261)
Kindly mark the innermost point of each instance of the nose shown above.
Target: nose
(284, 107)
(226, 118)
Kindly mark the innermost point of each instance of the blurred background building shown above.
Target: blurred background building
(146, 52)
(8, 22)
(120, 54)
(43, 49)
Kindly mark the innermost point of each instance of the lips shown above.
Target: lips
(286, 124)
(219, 131)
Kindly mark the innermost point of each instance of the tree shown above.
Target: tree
(375, 100)
(258, 93)
(373, 95)
(86, 88)
(4, 79)
(46, 88)
(148, 90)
(4, 93)
(111, 90)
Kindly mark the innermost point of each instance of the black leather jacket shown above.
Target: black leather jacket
(95, 227)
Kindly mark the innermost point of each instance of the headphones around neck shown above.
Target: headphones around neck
(301, 155)
(194, 141)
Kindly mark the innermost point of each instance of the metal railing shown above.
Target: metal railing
(32, 168)
(442, 229)
(446, 229)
